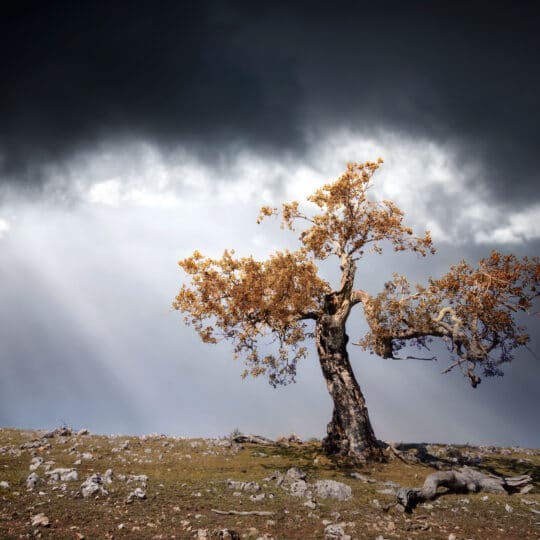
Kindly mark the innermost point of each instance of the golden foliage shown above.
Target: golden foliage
(245, 300)
(263, 304)
(348, 220)
(471, 309)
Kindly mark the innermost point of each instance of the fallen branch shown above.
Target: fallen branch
(254, 439)
(242, 513)
(465, 480)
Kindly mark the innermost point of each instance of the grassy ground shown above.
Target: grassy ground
(187, 479)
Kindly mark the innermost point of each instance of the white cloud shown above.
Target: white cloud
(436, 190)
(4, 228)
(107, 192)
(516, 228)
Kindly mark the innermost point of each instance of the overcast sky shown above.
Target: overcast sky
(133, 133)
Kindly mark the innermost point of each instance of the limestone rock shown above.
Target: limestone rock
(108, 476)
(35, 463)
(335, 532)
(141, 478)
(299, 488)
(294, 474)
(330, 489)
(226, 534)
(362, 478)
(249, 487)
(137, 493)
(62, 475)
(32, 480)
(40, 520)
(93, 485)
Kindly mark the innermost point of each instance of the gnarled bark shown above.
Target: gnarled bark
(465, 480)
(349, 433)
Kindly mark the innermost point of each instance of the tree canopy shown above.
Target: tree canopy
(260, 304)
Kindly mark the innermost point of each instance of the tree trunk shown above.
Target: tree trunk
(349, 432)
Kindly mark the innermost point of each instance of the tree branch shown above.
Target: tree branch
(359, 296)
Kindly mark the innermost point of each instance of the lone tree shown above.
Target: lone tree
(268, 309)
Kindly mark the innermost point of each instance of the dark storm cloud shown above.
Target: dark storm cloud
(206, 74)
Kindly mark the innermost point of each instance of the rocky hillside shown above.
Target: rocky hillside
(64, 484)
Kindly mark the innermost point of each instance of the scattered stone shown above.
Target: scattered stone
(257, 498)
(58, 432)
(330, 489)
(108, 476)
(142, 478)
(226, 534)
(87, 455)
(311, 504)
(292, 438)
(35, 463)
(62, 475)
(83, 431)
(138, 493)
(335, 532)
(387, 491)
(299, 488)
(37, 443)
(249, 487)
(93, 485)
(203, 534)
(508, 508)
(40, 520)
(32, 480)
(4, 484)
(294, 474)
(362, 478)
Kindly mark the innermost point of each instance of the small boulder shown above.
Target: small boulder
(35, 463)
(335, 532)
(62, 475)
(40, 520)
(32, 480)
(137, 493)
(108, 476)
(93, 485)
(294, 474)
(299, 489)
(330, 489)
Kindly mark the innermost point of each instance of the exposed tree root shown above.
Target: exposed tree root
(465, 480)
